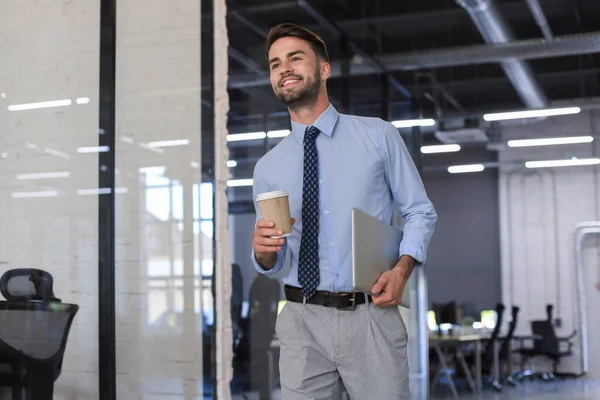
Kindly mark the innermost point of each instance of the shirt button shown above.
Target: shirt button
(326, 212)
(337, 275)
(321, 181)
(331, 244)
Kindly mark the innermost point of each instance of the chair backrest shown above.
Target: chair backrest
(36, 331)
(496, 332)
(264, 299)
(511, 332)
(548, 342)
(27, 284)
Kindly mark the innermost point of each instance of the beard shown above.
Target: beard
(301, 97)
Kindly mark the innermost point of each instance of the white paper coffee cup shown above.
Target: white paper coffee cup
(275, 206)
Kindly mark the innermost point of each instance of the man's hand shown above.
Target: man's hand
(264, 246)
(387, 291)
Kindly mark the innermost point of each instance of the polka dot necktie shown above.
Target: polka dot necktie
(308, 262)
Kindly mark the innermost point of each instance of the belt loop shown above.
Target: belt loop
(367, 300)
(304, 300)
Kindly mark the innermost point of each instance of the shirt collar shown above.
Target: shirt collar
(325, 123)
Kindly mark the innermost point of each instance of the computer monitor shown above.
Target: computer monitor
(431, 324)
(445, 313)
(489, 318)
(280, 306)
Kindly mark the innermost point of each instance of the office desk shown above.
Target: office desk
(439, 342)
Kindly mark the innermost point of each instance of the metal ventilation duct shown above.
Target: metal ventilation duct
(494, 30)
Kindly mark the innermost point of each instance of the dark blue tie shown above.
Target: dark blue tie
(308, 262)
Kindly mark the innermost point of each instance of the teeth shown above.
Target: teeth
(290, 81)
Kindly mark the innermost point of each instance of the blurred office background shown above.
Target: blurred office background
(111, 149)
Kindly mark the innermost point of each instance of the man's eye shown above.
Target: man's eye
(273, 66)
(296, 59)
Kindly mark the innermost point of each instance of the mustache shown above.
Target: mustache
(289, 76)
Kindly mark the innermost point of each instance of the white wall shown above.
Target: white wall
(50, 52)
(539, 209)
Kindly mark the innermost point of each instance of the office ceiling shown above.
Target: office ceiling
(390, 38)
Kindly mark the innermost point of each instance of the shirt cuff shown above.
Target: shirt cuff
(278, 264)
(415, 251)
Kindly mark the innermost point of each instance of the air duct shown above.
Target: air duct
(494, 30)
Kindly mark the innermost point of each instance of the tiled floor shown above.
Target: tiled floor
(570, 389)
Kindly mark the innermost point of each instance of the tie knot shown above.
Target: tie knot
(311, 132)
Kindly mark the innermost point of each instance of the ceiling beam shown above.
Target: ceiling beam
(332, 28)
(530, 49)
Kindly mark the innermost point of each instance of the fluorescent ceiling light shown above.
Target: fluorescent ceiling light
(231, 163)
(126, 139)
(93, 149)
(44, 175)
(58, 153)
(43, 104)
(442, 148)
(32, 146)
(278, 134)
(550, 141)
(168, 143)
(195, 164)
(409, 123)
(82, 100)
(548, 112)
(562, 163)
(91, 192)
(44, 193)
(239, 182)
(459, 169)
(145, 146)
(236, 137)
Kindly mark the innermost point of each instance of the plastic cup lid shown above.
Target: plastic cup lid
(271, 195)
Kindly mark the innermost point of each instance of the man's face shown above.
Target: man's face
(295, 73)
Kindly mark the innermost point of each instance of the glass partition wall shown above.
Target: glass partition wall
(49, 191)
(164, 207)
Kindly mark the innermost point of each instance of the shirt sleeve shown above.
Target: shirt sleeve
(260, 186)
(409, 195)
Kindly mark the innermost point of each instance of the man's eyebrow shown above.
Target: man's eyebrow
(291, 54)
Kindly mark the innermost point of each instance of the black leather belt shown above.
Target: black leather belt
(341, 301)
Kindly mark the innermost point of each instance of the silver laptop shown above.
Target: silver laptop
(375, 250)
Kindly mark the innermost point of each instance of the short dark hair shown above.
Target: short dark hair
(292, 30)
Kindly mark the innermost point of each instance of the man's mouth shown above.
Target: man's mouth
(289, 82)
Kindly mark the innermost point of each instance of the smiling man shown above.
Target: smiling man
(334, 340)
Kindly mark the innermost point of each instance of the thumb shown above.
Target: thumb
(380, 285)
(293, 221)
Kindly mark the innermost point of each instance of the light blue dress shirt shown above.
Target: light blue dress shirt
(363, 163)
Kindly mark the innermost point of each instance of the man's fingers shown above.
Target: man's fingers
(263, 223)
(266, 241)
(267, 232)
(293, 221)
(380, 285)
(384, 300)
(266, 249)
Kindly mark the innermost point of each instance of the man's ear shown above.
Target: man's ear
(325, 70)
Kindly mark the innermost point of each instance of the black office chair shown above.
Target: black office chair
(27, 284)
(505, 348)
(487, 354)
(545, 344)
(33, 338)
(265, 294)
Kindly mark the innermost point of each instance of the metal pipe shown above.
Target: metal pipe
(494, 29)
(530, 49)
(338, 33)
(540, 18)
(582, 230)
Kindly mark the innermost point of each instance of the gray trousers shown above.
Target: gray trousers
(326, 353)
